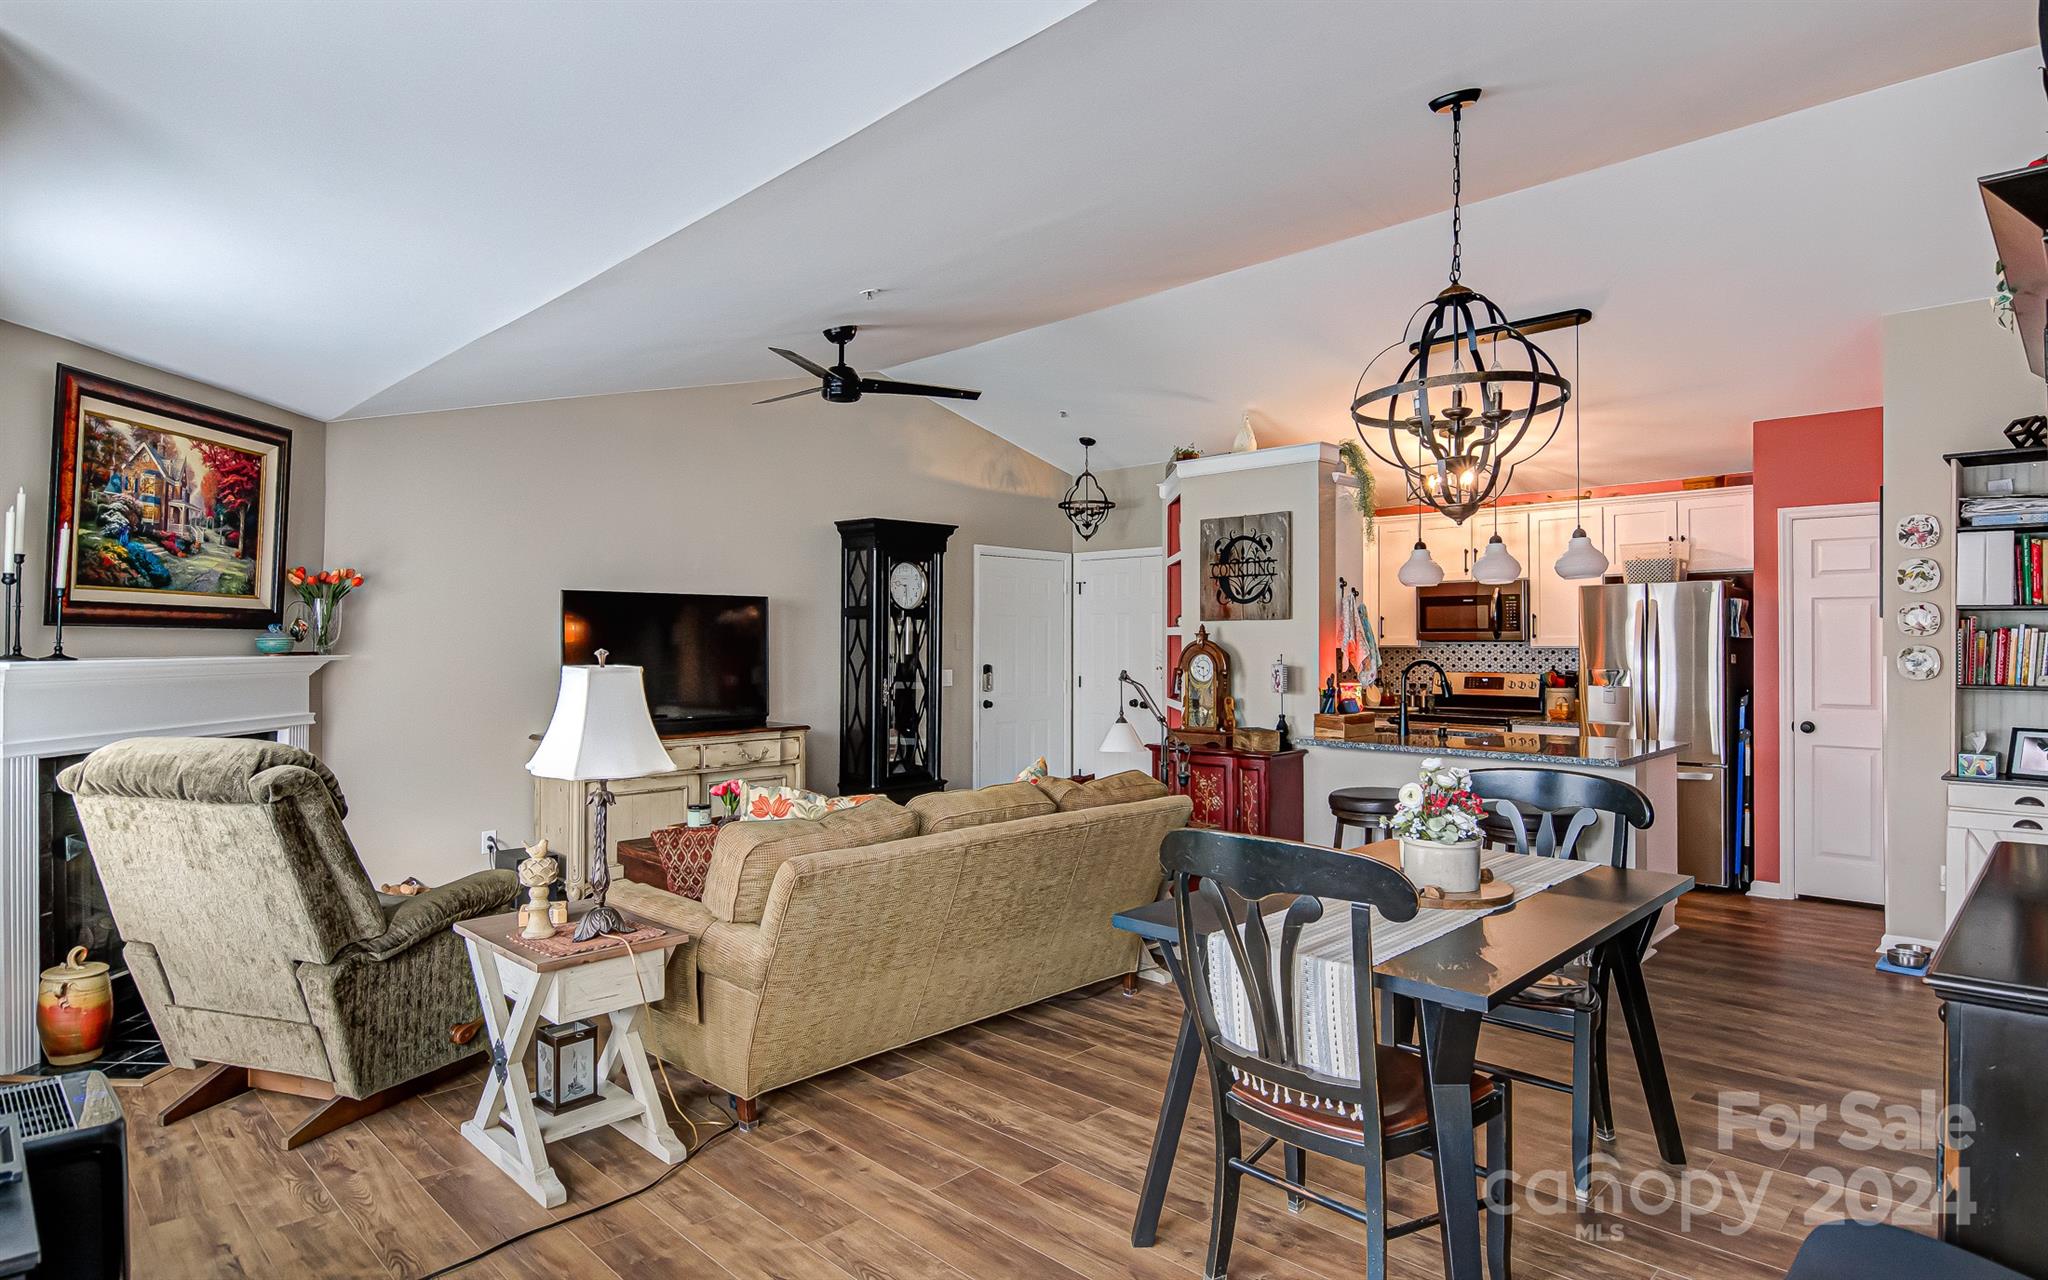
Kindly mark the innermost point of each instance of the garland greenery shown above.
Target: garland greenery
(1354, 462)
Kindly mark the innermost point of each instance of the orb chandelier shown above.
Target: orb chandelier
(1476, 397)
(1086, 504)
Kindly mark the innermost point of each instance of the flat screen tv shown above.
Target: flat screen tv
(706, 657)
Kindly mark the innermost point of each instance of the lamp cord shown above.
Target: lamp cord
(1578, 441)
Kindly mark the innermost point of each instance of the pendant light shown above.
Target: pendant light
(1476, 397)
(1581, 559)
(1496, 565)
(1419, 569)
(1086, 504)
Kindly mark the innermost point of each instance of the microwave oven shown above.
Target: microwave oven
(1473, 611)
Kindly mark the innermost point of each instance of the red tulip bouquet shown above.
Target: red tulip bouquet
(321, 592)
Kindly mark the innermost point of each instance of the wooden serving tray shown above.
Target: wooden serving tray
(1492, 893)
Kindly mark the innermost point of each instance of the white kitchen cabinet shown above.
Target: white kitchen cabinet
(1395, 612)
(1628, 521)
(1554, 601)
(1450, 545)
(1717, 528)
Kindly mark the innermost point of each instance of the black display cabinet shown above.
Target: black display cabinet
(891, 574)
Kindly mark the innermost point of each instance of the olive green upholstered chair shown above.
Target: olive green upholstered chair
(255, 937)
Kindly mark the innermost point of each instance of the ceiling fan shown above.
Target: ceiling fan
(843, 386)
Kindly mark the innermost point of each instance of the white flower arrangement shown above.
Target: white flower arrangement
(1439, 806)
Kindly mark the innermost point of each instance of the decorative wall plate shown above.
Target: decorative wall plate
(1919, 532)
(1919, 575)
(1919, 662)
(1922, 619)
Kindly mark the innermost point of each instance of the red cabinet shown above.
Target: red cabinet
(1255, 792)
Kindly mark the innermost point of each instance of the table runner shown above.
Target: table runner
(1323, 978)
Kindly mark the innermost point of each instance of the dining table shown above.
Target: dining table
(1454, 981)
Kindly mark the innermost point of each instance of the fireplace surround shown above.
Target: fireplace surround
(55, 711)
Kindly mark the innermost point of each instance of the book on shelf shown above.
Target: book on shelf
(2007, 657)
(2000, 568)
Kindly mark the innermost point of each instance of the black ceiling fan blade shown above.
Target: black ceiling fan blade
(807, 391)
(818, 371)
(886, 387)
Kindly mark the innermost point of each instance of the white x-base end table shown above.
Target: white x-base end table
(519, 989)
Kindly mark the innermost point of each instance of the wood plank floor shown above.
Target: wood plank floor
(1015, 1147)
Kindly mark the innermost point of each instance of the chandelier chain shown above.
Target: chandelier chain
(1457, 192)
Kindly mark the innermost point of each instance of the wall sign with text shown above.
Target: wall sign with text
(1246, 573)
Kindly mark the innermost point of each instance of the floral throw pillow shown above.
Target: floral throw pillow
(770, 804)
(1035, 772)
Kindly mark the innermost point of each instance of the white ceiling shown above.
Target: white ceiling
(1733, 279)
(362, 209)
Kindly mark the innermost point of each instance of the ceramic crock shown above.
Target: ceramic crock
(1454, 868)
(74, 1009)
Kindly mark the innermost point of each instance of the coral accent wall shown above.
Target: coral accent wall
(1800, 462)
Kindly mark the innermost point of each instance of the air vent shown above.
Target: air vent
(40, 1106)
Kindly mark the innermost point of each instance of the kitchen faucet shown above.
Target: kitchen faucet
(1428, 700)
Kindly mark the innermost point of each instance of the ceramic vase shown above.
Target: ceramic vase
(74, 1010)
(1454, 868)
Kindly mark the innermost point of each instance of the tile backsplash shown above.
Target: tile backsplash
(1504, 656)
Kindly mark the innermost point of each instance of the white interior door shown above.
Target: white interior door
(1119, 625)
(1833, 702)
(1022, 657)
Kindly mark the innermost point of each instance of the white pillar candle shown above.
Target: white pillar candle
(63, 555)
(7, 565)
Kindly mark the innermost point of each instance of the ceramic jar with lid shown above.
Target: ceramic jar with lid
(74, 1009)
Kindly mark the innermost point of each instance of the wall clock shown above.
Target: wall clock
(889, 594)
(1208, 715)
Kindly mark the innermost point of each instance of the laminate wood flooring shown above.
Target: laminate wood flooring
(1015, 1147)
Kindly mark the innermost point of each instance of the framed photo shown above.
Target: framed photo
(175, 512)
(1977, 764)
(2029, 755)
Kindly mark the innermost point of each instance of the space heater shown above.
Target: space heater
(76, 1157)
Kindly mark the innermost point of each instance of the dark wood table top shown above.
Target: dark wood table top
(1996, 952)
(1488, 961)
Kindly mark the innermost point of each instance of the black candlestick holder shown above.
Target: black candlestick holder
(56, 653)
(10, 613)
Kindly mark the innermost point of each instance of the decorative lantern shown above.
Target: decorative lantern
(565, 1066)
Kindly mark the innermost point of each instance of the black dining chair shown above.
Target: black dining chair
(1221, 883)
(1551, 814)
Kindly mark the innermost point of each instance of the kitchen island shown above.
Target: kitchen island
(1389, 760)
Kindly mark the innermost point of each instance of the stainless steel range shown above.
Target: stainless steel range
(1490, 700)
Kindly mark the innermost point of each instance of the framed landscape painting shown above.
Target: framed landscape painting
(175, 512)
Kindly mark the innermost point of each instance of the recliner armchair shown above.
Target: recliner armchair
(255, 936)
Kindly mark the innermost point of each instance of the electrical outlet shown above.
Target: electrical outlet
(489, 841)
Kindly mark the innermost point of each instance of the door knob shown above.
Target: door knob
(1806, 726)
(986, 704)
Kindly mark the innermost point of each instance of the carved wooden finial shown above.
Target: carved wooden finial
(602, 654)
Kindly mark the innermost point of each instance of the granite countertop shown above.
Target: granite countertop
(1600, 748)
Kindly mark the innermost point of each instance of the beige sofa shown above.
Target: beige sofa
(819, 943)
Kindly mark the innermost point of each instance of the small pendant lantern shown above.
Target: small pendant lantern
(1581, 559)
(1086, 504)
(1420, 569)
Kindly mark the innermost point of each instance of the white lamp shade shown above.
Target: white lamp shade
(1419, 570)
(1581, 559)
(601, 729)
(1122, 737)
(1496, 564)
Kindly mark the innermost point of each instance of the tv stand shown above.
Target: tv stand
(773, 755)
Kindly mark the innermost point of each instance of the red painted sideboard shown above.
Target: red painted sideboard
(1254, 792)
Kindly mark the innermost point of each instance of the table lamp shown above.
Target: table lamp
(600, 731)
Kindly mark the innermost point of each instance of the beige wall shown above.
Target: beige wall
(28, 382)
(472, 522)
(1135, 524)
(1952, 380)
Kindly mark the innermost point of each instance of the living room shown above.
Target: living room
(646, 638)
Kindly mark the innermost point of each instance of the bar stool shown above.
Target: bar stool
(1370, 809)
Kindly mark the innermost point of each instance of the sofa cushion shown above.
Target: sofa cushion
(1117, 788)
(746, 855)
(939, 811)
(1058, 789)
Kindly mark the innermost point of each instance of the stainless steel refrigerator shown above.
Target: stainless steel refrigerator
(1672, 661)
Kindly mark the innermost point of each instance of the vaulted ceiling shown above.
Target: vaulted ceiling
(1155, 216)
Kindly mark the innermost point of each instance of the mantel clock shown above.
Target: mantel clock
(1208, 715)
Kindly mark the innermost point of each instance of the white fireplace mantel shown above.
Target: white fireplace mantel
(68, 708)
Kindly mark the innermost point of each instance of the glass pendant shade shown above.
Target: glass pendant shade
(1496, 564)
(1122, 738)
(1419, 570)
(1581, 559)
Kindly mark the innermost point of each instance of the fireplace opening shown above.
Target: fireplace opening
(72, 911)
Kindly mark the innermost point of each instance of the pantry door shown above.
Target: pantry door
(1832, 730)
(1022, 655)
